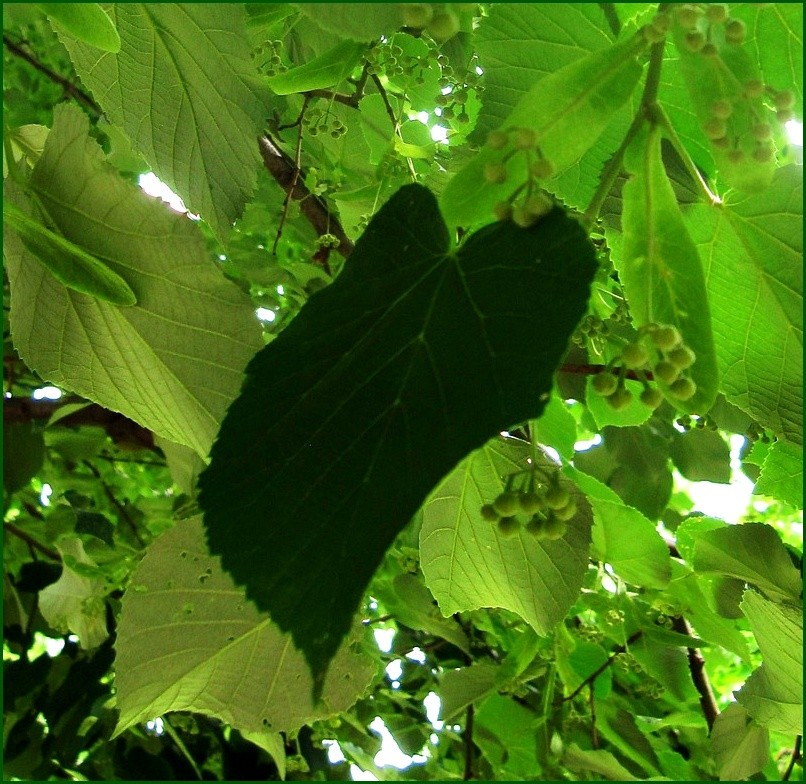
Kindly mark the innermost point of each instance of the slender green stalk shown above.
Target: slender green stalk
(174, 736)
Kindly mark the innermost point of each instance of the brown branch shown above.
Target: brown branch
(282, 168)
(468, 739)
(794, 759)
(696, 666)
(75, 92)
(31, 542)
(617, 651)
(294, 180)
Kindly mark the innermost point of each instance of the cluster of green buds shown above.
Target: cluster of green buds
(387, 59)
(688, 422)
(327, 241)
(270, 57)
(528, 203)
(541, 507)
(439, 20)
(667, 357)
(755, 432)
(317, 121)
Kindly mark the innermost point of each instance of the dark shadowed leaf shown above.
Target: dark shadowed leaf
(414, 357)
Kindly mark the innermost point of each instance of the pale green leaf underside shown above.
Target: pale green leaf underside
(172, 362)
(466, 563)
(739, 745)
(782, 473)
(188, 639)
(773, 694)
(180, 87)
(752, 253)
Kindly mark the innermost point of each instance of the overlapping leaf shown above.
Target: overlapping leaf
(468, 565)
(174, 360)
(752, 254)
(188, 639)
(182, 88)
(414, 357)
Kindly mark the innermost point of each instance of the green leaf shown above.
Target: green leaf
(623, 537)
(173, 361)
(505, 733)
(636, 413)
(601, 762)
(462, 687)
(27, 141)
(85, 21)
(701, 456)
(188, 639)
(75, 602)
(183, 89)
(773, 695)
(361, 22)
(758, 325)
(468, 565)
(273, 744)
(740, 746)
(71, 265)
(579, 664)
(24, 453)
(556, 428)
(423, 347)
(660, 268)
(327, 70)
(752, 552)
(567, 110)
(782, 473)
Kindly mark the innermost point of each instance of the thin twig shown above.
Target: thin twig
(794, 759)
(696, 666)
(617, 651)
(122, 511)
(592, 370)
(592, 703)
(468, 739)
(293, 183)
(395, 121)
(31, 542)
(174, 736)
(66, 84)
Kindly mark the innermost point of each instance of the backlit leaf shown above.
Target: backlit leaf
(85, 21)
(326, 70)
(741, 747)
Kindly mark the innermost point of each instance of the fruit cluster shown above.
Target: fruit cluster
(542, 507)
(667, 356)
(439, 20)
(317, 121)
(270, 55)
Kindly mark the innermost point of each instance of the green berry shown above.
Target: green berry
(784, 116)
(666, 372)
(554, 528)
(694, 41)
(666, 337)
(681, 357)
(506, 504)
(735, 32)
(567, 511)
(605, 383)
(538, 205)
(763, 153)
(716, 12)
(709, 50)
(557, 497)
(488, 513)
(754, 88)
(530, 502)
(497, 140)
(522, 217)
(536, 526)
(542, 169)
(761, 131)
(722, 109)
(715, 128)
(661, 22)
(495, 173)
(687, 16)
(683, 389)
(651, 397)
(508, 527)
(784, 100)
(443, 26)
(448, 113)
(652, 35)
(620, 399)
(503, 211)
(524, 139)
(634, 355)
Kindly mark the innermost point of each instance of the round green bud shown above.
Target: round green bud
(605, 383)
(620, 399)
(651, 397)
(460, 96)
(634, 355)
(687, 16)
(681, 357)
(489, 514)
(764, 153)
(652, 35)
(443, 26)
(566, 512)
(463, 117)
(506, 504)
(495, 173)
(736, 156)
(542, 169)
(530, 502)
(538, 205)
(666, 372)
(683, 389)
(554, 529)
(508, 527)
(716, 12)
(735, 32)
(666, 337)
(524, 138)
(754, 88)
(784, 99)
(694, 41)
(784, 116)
(557, 497)
(522, 217)
(709, 50)
(662, 22)
(761, 131)
(503, 211)
(497, 140)
(448, 113)
(715, 128)
(535, 526)
(722, 109)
